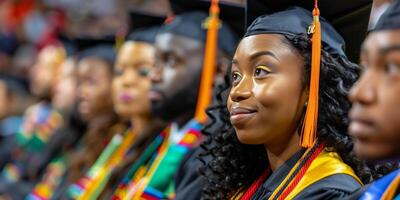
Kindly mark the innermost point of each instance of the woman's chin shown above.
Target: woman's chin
(246, 138)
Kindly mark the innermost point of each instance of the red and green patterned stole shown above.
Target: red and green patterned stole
(39, 124)
(51, 179)
(91, 186)
(154, 179)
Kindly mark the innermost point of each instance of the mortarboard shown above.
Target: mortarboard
(144, 26)
(349, 18)
(190, 16)
(102, 48)
(390, 19)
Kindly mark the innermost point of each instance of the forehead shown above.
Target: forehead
(91, 66)
(376, 41)
(138, 49)
(169, 42)
(273, 43)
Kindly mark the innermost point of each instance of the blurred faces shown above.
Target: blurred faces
(94, 90)
(131, 83)
(375, 115)
(44, 73)
(65, 91)
(176, 76)
(267, 95)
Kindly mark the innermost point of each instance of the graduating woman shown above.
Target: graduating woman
(284, 135)
(131, 86)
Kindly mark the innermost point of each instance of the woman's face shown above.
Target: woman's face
(375, 114)
(64, 95)
(267, 95)
(131, 83)
(94, 88)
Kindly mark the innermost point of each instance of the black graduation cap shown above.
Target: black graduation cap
(190, 15)
(102, 47)
(349, 17)
(390, 19)
(144, 26)
(231, 13)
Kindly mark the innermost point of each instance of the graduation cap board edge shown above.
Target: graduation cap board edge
(350, 18)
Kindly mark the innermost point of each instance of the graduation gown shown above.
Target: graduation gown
(335, 186)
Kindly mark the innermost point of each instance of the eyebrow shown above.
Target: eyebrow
(263, 53)
(390, 48)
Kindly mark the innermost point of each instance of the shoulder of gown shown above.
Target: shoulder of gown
(337, 186)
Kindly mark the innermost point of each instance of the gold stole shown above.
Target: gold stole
(326, 164)
(391, 189)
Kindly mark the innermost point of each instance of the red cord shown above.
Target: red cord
(253, 188)
(301, 173)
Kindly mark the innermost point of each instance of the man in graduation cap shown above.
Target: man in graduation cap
(176, 81)
(375, 113)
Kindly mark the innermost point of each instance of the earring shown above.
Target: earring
(306, 104)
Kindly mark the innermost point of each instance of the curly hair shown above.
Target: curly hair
(232, 167)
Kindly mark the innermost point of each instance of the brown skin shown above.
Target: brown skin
(267, 96)
(176, 77)
(131, 83)
(94, 89)
(375, 115)
(176, 68)
(4, 100)
(43, 74)
(64, 95)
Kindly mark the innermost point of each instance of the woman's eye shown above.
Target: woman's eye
(236, 77)
(392, 68)
(144, 71)
(261, 71)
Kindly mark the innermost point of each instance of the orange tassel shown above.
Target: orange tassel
(309, 130)
(207, 77)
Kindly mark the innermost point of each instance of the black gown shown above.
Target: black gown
(336, 186)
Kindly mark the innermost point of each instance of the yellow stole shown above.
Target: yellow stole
(325, 164)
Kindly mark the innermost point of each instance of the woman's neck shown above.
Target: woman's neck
(140, 123)
(279, 152)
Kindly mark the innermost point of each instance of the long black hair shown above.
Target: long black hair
(230, 166)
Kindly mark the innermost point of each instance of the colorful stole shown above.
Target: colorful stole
(91, 186)
(39, 125)
(52, 178)
(153, 179)
(384, 188)
(40, 122)
(314, 165)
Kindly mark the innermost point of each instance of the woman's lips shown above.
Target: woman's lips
(360, 128)
(240, 115)
(126, 98)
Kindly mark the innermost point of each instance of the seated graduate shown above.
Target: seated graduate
(176, 81)
(14, 99)
(21, 150)
(188, 180)
(95, 73)
(375, 113)
(286, 115)
(131, 85)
